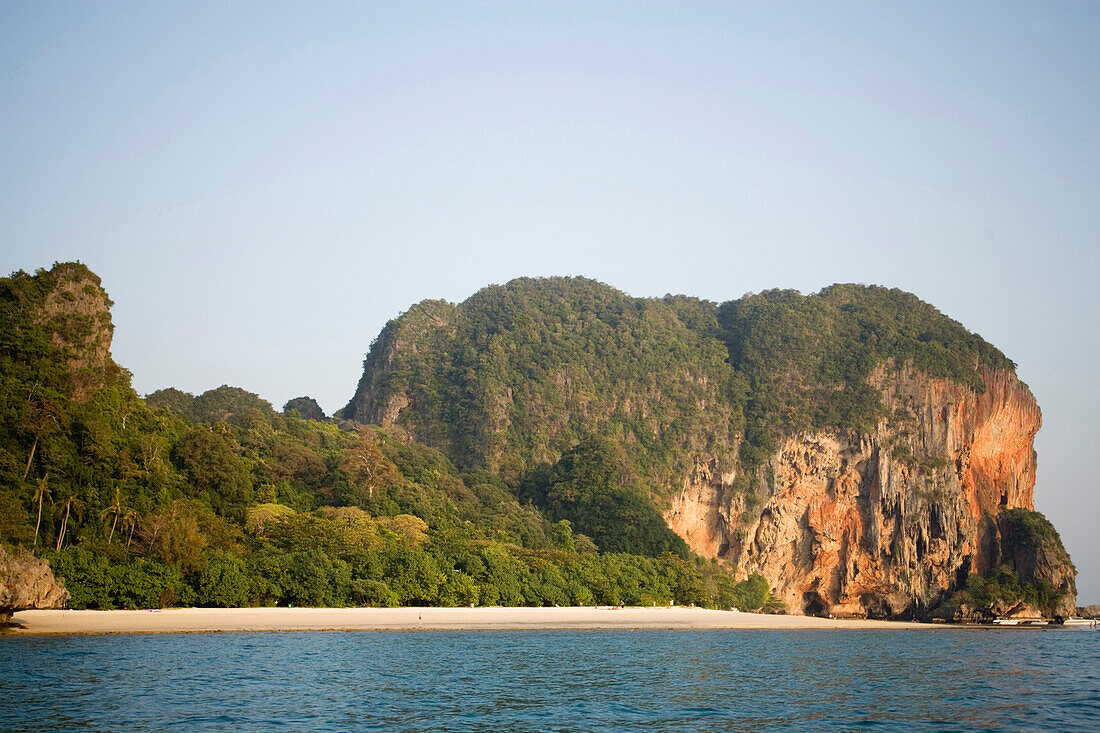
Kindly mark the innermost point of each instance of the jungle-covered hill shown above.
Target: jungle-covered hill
(513, 449)
(219, 499)
(727, 418)
(520, 373)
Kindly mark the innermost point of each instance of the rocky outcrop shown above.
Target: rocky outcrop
(306, 407)
(886, 523)
(966, 612)
(417, 330)
(75, 310)
(1029, 545)
(26, 582)
(760, 427)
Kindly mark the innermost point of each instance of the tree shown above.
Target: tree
(129, 521)
(589, 486)
(173, 400)
(70, 501)
(223, 582)
(232, 405)
(752, 593)
(563, 536)
(115, 511)
(367, 466)
(306, 407)
(411, 529)
(179, 541)
(317, 579)
(297, 463)
(213, 468)
(41, 493)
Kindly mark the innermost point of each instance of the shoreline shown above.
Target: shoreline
(197, 620)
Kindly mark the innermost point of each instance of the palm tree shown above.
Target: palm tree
(116, 510)
(30, 458)
(70, 502)
(40, 494)
(129, 520)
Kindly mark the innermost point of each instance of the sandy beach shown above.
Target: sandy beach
(381, 619)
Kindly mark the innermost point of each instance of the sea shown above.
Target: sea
(713, 680)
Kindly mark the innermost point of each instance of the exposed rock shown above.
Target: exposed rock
(966, 613)
(306, 407)
(26, 582)
(887, 523)
(1019, 612)
(76, 310)
(883, 519)
(1029, 545)
(1089, 611)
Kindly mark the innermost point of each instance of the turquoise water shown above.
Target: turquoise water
(555, 680)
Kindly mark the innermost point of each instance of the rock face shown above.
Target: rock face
(855, 447)
(26, 582)
(1030, 546)
(74, 309)
(886, 523)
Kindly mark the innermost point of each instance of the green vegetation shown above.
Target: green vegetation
(1033, 568)
(219, 500)
(306, 407)
(807, 359)
(521, 373)
(560, 410)
(590, 488)
(1032, 530)
(1004, 587)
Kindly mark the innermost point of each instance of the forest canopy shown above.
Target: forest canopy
(537, 424)
(519, 374)
(219, 500)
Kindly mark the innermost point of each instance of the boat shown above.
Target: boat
(1078, 622)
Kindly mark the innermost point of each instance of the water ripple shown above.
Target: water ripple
(555, 680)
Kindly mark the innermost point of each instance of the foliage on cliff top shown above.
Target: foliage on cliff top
(808, 358)
(1002, 588)
(520, 373)
(1030, 555)
(1033, 530)
(1029, 540)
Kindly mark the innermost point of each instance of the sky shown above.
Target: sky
(262, 185)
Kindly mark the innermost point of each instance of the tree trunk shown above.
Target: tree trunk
(112, 530)
(30, 458)
(64, 526)
(39, 520)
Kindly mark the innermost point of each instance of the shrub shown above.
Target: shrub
(222, 582)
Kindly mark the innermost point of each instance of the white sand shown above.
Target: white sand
(354, 619)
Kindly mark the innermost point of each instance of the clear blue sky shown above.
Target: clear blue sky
(263, 185)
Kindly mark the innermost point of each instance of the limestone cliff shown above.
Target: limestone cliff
(883, 523)
(26, 582)
(67, 306)
(854, 446)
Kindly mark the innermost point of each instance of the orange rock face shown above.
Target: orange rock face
(880, 524)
